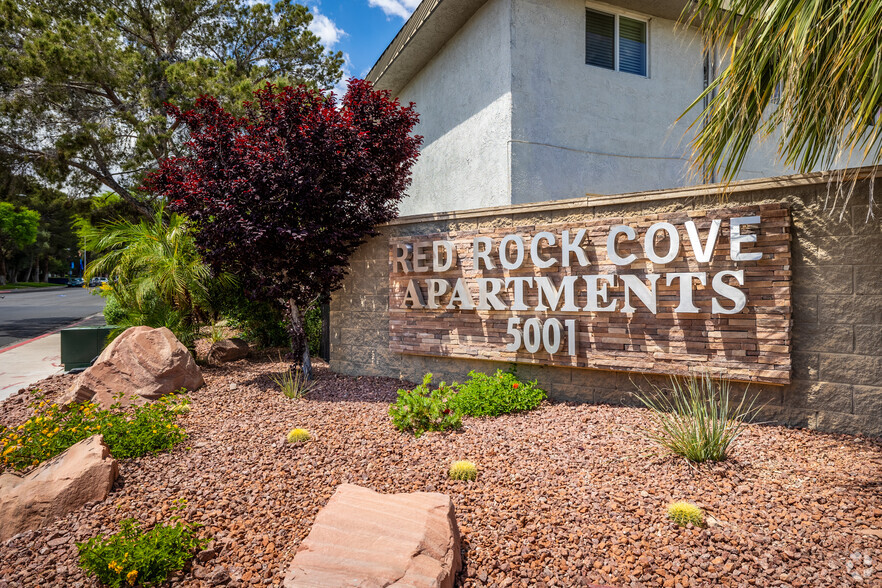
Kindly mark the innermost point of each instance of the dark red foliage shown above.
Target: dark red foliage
(282, 196)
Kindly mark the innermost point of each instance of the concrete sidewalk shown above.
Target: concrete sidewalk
(24, 363)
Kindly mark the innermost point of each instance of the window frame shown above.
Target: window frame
(617, 12)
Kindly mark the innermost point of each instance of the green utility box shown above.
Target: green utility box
(80, 345)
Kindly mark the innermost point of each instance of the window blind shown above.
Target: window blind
(600, 34)
(632, 46)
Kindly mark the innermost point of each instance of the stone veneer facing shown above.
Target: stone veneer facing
(836, 298)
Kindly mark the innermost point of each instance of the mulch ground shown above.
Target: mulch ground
(567, 495)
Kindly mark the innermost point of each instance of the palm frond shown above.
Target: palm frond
(811, 71)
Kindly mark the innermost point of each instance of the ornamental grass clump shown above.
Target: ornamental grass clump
(423, 409)
(684, 513)
(293, 382)
(150, 428)
(463, 470)
(501, 393)
(696, 418)
(133, 557)
(298, 436)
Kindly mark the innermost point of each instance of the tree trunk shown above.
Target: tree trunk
(299, 346)
(27, 277)
(2, 268)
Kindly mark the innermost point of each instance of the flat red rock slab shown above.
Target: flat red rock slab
(364, 538)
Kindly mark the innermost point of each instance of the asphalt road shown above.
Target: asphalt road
(31, 313)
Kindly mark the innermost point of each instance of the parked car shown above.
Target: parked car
(95, 282)
(76, 283)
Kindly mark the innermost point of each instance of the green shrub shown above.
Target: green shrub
(148, 310)
(298, 436)
(146, 429)
(696, 418)
(150, 428)
(422, 409)
(501, 393)
(132, 556)
(463, 470)
(684, 513)
(263, 323)
(114, 313)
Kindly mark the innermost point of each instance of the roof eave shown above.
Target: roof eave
(428, 29)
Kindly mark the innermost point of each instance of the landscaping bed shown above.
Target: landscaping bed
(566, 495)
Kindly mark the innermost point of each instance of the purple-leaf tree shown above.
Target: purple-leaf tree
(282, 196)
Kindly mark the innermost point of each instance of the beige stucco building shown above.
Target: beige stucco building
(540, 117)
(529, 101)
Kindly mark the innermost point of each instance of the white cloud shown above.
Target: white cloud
(340, 88)
(402, 8)
(325, 29)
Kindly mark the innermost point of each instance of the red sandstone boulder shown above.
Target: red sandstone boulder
(82, 474)
(228, 350)
(143, 363)
(364, 538)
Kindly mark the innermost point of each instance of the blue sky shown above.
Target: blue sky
(361, 29)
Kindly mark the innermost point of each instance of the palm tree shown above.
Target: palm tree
(812, 70)
(156, 273)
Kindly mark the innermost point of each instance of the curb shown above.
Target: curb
(38, 337)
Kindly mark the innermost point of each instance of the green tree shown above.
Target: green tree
(83, 85)
(18, 229)
(156, 275)
(811, 71)
(57, 243)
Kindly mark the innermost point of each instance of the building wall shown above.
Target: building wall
(580, 129)
(464, 99)
(837, 304)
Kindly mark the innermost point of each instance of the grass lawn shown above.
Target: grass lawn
(22, 285)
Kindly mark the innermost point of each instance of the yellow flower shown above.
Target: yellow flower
(131, 577)
(114, 567)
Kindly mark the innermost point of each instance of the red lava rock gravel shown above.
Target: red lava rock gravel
(566, 496)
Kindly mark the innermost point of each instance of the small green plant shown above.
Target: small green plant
(181, 408)
(293, 383)
(134, 557)
(298, 436)
(683, 513)
(501, 393)
(423, 409)
(216, 333)
(696, 418)
(145, 429)
(463, 470)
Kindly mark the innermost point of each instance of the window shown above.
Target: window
(616, 42)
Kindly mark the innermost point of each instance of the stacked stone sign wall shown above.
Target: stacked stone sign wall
(673, 293)
(835, 299)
